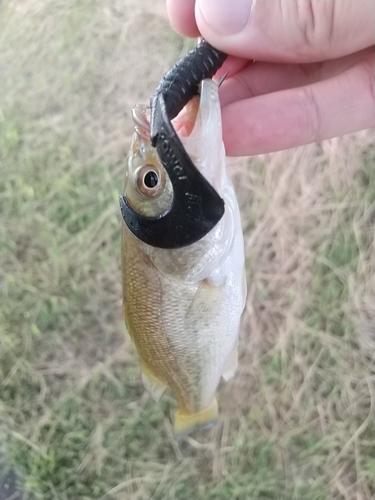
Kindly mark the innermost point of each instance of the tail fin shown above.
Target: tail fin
(184, 423)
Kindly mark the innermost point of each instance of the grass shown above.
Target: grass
(298, 420)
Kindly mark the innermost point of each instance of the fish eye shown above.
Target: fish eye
(149, 181)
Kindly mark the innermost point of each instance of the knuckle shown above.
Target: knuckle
(245, 85)
(306, 20)
(314, 21)
(311, 115)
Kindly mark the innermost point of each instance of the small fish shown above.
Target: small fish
(182, 305)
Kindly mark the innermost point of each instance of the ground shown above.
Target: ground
(297, 421)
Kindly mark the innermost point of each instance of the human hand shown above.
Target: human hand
(300, 71)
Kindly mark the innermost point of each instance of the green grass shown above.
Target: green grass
(298, 420)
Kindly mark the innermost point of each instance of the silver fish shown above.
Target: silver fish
(182, 306)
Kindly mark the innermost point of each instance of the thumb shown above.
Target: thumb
(287, 30)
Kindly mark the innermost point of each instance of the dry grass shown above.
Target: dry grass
(298, 420)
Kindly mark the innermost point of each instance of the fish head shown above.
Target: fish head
(199, 129)
(148, 188)
(195, 206)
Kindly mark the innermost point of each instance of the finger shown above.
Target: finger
(287, 30)
(232, 65)
(289, 118)
(182, 17)
(260, 78)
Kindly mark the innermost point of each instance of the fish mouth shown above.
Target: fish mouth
(196, 206)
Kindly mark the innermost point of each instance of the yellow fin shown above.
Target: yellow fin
(231, 365)
(184, 423)
(153, 385)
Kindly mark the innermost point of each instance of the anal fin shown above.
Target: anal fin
(184, 423)
(153, 385)
(231, 365)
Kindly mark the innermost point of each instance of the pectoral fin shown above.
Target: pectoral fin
(153, 385)
(184, 423)
(231, 365)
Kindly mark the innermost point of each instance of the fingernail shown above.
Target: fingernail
(226, 17)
